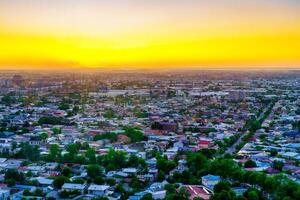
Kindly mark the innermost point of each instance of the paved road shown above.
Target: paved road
(232, 148)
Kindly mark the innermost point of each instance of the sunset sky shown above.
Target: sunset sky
(125, 34)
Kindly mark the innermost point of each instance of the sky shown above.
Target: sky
(154, 34)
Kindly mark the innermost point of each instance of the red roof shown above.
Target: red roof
(197, 191)
(204, 142)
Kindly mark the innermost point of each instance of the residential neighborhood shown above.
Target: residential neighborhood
(140, 136)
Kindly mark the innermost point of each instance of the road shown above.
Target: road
(232, 148)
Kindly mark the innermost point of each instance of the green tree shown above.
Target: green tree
(222, 185)
(90, 154)
(59, 181)
(165, 165)
(43, 136)
(113, 160)
(66, 172)
(64, 106)
(94, 170)
(223, 195)
(273, 152)
(278, 165)
(147, 196)
(252, 195)
(54, 152)
(30, 152)
(250, 164)
(198, 198)
(170, 188)
(183, 194)
(14, 174)
(109, 113)
(56, 131)
(161, 175)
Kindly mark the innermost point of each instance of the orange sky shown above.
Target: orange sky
(56, 34)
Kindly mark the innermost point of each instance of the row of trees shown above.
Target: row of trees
(133, 133)
(278, 187)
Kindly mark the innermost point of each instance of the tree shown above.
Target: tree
(51, 120)
(198, 198)
(59, 181)
(100, 198)
(73, 149)
(224, 195)
(99, 180)
(10, 182)
(252, 195)
(14, 145)
(90, 154)
(286, 188)
(56, 131)
(133, 161)
(111, 181)
(43, 136)
(147, 196)
(224, 167)
(54, 153)
(30, 152)
(240, 198)
(113, 160)
(161, 175)
(109, 113)
(196, 162)
(278, 165)
(66, 172)
(183, 194)
(170, 188)
(164, 164)
(64, 106)
(134, 134)
(94, 170)
(26, 192)
(80, 159)
(250, 164)
(222, 185)
(273, 152)
(64, 194)
(14, 175)
(8, 99)
(135, 183)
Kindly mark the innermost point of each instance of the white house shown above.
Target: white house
(97, 190)
(74, 187)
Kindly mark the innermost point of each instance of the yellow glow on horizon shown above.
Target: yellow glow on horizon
(82, 38)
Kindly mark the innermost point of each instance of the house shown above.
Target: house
(198, 191)
(97, 190)
(239, 190)
(74, 187)
(204, 143)
(137, 196)
(130, 170)
(159, 194)
(44, 181)
(210, 180)
(169, 126)
(4, 194)
(292, 134)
